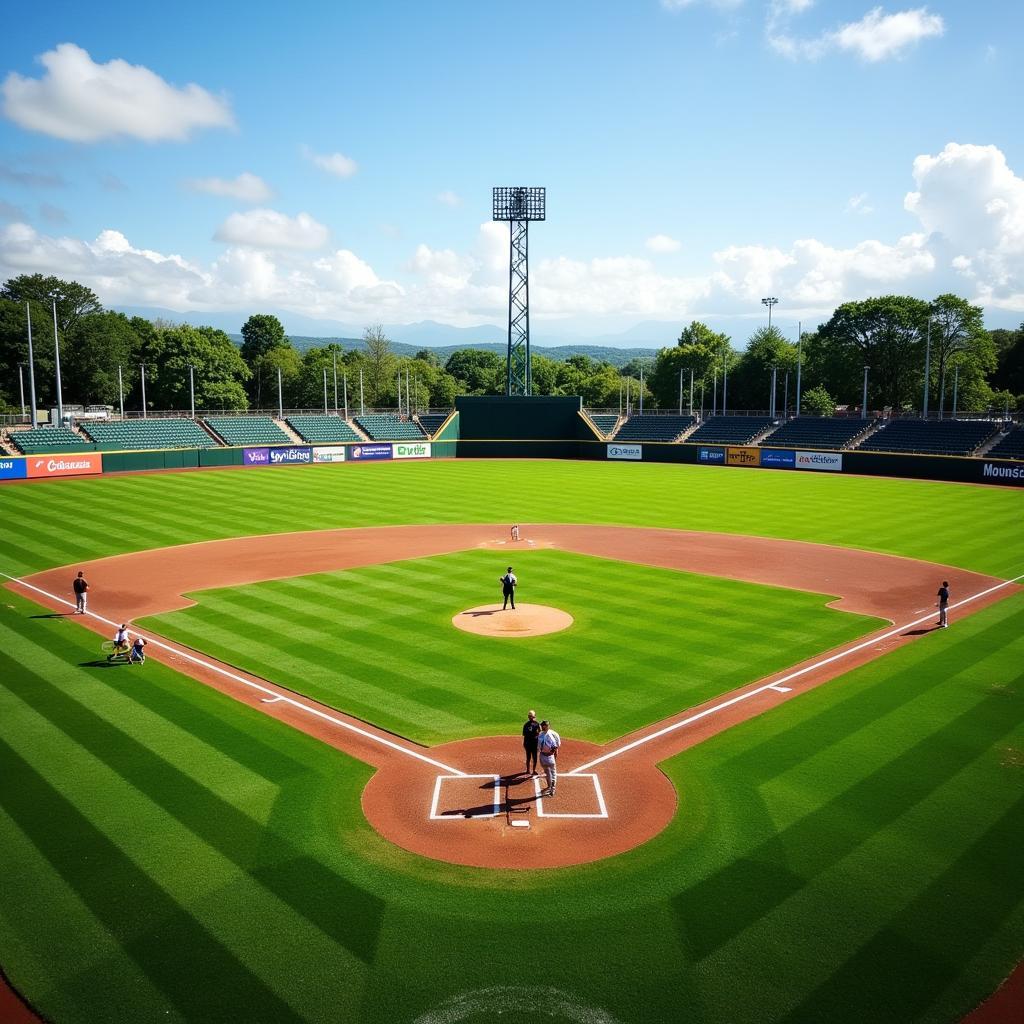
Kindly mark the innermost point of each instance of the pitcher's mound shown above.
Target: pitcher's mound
(526, 620)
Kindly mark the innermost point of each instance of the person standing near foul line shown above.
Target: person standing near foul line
(943, 596)
(81, 589)
(548, 743)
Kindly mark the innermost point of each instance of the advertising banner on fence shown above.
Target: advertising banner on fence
(1003, 473)
(83, 464)
(715, 455)
(743, 457)
(256, 457)
(329, 453)
(634, 452)
(831, 461)
(411, 450)
(778, 458)
(290, 456)
(365, 452)
(12, 469)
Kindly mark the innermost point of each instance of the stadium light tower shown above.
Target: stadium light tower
(518, 205)
(769, 303)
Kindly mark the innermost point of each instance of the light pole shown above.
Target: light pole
(191, 391)
(771, 400)
(927, 367)
(864, 401)
(785, 397)
(280, 396)
(120, 390)
(769, 302)
(325, 390)
(680, 393)
(56, 363)
(691, 390)
(31, 369)
(344, 390)
(725, 378)
(956, 383)
(362, 406)
(21, 388)
(714, 393)
(641, 389)
(143, 367)
(799, 362)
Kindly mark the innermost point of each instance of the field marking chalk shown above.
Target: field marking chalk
(461, 815)
(785, 679)
(598, 792)
(309, 709)
(781, 689)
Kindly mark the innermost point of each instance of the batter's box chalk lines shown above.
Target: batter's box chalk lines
(461, 814)
(872, 642)
(277, 697)
(598, 793)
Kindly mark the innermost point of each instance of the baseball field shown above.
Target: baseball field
(783, 795)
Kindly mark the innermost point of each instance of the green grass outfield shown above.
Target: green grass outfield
(168, 854)
(378, 642)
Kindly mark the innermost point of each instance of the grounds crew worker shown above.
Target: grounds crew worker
(508, 588)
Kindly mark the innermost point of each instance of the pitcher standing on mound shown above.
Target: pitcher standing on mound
(508, 588)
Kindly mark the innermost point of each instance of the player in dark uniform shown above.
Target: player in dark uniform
(943, 596)
(531, 730)
(508, 588)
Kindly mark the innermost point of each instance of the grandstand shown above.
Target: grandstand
(247, 430)
(431, 422)
(136, 435)
(817, 432)
(605, 422)
(48, 441)
(1010, 446)
(386, 427)
(654, 428)
(323, 429)
(929, 437)
(730, 429)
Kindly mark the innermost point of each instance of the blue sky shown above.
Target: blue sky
(697, 156)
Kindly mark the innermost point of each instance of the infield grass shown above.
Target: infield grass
(378, 642)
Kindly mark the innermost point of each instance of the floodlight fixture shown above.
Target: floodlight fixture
(769, 302)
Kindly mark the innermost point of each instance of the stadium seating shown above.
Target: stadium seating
(730, 429)
(248, 430)
(129, 435)
(605, 422)
(385, 427)
(816, 432)
(431, 422)
(929, 437)
(653, 428)
(48, 441)
(321, 429)
(1011, 446)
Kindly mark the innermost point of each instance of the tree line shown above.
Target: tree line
(889, 335)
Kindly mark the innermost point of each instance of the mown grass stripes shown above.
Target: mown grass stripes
(378, 641)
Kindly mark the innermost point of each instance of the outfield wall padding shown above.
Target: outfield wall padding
(519, 427)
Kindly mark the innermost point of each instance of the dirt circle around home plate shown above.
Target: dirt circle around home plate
(523, 620)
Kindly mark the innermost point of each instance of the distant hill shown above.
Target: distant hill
(600, 353)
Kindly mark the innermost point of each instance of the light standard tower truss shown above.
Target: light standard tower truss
(518, 205)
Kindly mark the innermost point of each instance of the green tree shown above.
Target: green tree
(218, 370)
(817, 402)
(1009, 373)
(74, 300)
(381, 368)
(750, 381)
(261, 334)
(960, 344)
(478, 371)
(700, 349)
(103, 342)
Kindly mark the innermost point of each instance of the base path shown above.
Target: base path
(468, 802)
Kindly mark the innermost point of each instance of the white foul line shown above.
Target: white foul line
(775, 685)
(256, 686)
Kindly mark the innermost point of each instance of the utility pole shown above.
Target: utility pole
(769, 303)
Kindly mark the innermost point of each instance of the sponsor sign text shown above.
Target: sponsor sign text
(329, 453)
(743, 457)
(12, 469)
(364, 452)
(79, 464)
(712, 455)
(998, 473)
(411, 450)
(289, 456)
(830, 461)
(778, 458)
(634, 452)
(256, 457)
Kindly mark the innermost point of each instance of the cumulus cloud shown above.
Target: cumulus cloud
(338, 164)
(449, 198)
(859, 204)
(876, 37)
(969, 237)
(82, 101)
(663, 243)
(269, 229)
(247, 188)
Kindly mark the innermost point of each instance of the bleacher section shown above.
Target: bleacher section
(605, 422)
(730, 430)
(653, 428)
(135, 435)
(321, 429)
(384, 427)
(48, 441)
(432, 422)
(247, 430)
(1010, 447)
(945, 437)
(816, 432)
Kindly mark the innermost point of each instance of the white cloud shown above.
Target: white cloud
(877, 36)
(82, 101)
(679, 5)
(338, 164)
(268, 229)
(449, 198)
(247, 188)
(663, 243)
(859, 204)
(969, 205)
